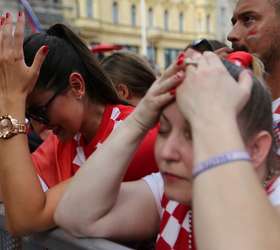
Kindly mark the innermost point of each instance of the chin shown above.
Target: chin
(64, 137)
(177, 194)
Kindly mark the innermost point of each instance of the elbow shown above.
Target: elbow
(79, 229)
(18, 230)
(68, 224)
(25, 226)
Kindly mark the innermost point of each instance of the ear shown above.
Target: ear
(259, 147)
(77, 84)
(123, 91)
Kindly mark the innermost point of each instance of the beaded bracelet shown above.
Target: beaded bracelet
(220, 160)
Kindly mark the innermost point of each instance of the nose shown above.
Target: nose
(234, 34)
(170, 151)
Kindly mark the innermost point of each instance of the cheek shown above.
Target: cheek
(68, 115)
(187, 156)
(158, 149)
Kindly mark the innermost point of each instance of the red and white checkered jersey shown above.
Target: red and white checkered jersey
(176, 230)
(276, 123)
(56, 161)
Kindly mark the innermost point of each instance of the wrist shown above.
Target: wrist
(135, 127)
(13, 106)
(134, 121)
(213, 138)
(220, 160)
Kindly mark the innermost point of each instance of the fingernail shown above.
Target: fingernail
(19, 13)
(45, 49)
(181, 55)
(7, 14)
(180, 61)
(2, 19)
(178, 76)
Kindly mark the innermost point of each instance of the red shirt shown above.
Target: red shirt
(57, 161)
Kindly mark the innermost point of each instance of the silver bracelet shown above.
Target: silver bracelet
(220, 160)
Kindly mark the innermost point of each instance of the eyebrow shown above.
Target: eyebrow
(246, 13)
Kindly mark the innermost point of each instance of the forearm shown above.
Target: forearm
(230, 207)
(22, 195)
(96, 186)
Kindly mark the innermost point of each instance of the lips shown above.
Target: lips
(171, 177)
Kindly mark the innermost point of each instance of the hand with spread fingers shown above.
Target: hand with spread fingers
(16, 78)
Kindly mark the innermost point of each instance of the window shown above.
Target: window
(170, 55)
(181, 22)
(151, 54)
(115, 12)
(208, 23)
(150, 18)
(165, 19)
(223, 23)
(89, 8)
(133, 15)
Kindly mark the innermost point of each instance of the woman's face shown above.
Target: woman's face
(174, 154)
(64, 111)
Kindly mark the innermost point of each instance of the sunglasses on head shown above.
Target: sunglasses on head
(202, 45)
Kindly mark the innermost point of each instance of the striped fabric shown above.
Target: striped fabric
(32, 18)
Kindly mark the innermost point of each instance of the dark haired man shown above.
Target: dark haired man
(256, 28)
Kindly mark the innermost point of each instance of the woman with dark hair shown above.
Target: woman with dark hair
(131, 75)
(55, 80)
(215, 155)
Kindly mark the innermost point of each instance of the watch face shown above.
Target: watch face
(6, 127)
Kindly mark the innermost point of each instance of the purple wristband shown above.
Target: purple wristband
(220, 160)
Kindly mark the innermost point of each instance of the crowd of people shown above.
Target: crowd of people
(188, 159)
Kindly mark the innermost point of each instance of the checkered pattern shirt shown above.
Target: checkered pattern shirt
(176, 230)
(276, 123)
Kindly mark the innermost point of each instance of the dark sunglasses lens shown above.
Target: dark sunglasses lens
(37, 115)
(202, 45)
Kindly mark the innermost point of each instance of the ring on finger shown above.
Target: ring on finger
(189, 61)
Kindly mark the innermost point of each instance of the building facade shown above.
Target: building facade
(225, 10)
(48, 12)
(170, 24)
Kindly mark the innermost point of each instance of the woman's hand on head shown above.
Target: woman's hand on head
(16, 78)
(223, 52)
(161, 93)
(209, 91)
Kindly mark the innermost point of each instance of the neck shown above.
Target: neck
(92, 119)
(273, 80)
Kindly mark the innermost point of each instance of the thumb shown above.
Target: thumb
(39, 58)
(245, 82)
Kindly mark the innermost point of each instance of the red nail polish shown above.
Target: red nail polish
(7, 14)
(180, 61)
(19, 13)
(45, 49)
(181, 55)
(2, 20)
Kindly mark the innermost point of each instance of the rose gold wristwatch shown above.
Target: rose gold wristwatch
(10, 127)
